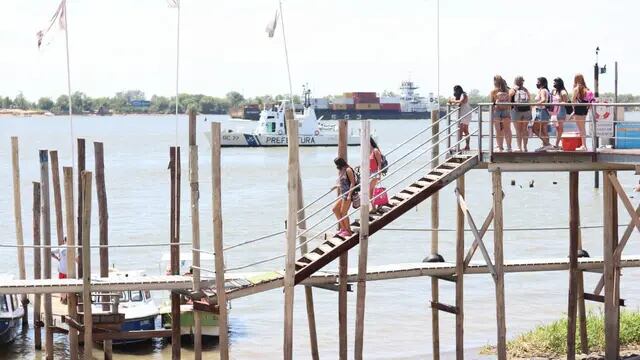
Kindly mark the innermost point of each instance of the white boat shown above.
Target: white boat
(11, 313)
(139, 309)
(271, 130)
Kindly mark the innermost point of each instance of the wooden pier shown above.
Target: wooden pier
(421, 179)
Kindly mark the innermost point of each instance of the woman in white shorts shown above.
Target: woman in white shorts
(461, 99)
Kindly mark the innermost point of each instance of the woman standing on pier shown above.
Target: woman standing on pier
(560, 95)
(521, 114)
(541, 121)
(581, 94)
(375, 165)
(501, 116)
(346, 185)
(461, 99)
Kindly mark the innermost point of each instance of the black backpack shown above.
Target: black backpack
(384, 165)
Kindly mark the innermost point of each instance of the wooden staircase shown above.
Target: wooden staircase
(399, 204)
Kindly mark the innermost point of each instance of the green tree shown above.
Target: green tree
(45, 103)
(235, 98)
(6, 103)
(159, 104)
(20, 102)
(62, 104)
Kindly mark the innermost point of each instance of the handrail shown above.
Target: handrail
(560, 103)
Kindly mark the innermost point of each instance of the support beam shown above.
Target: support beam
(344, 258)
(81, 168)
(57, 195)
(478, 235)
(460, 191)
(174, 239)
(17, 214)
(364, 237)
(290, 269)
(72, 300)
(611, 309)
(574, 204)
(37, 262)
(435, 223)
(86, 264)
(46, 254)
(582, 310)
(195, 229)
(498, 233)
(216, 177)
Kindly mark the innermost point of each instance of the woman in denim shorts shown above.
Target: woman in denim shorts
(560, 95)
(520, 114)
(501, 117)
(541, 121)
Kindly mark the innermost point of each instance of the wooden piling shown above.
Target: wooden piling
(460, 272)
(103, 226)
(216, 201)
(86, 264)
(72, 300)
(46, 239)
(582, 311)
(292, 187)
(435, 224)
(176, 341)
(365, 146)
(81, 168)
(308, 290)
(498, 236)
(57, 195)
(574, 203)
(611, 274)
(195, 229)
(17, 213)
(343, 262)
(37, 261)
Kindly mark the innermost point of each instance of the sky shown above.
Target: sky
(334, 45)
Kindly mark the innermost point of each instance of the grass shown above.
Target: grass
(550, 340)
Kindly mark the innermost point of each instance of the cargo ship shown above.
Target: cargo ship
(368, 105)
(247, 112)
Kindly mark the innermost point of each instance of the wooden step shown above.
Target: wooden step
(424, 183)
(312, 256)
(433, 177)
(325, 248)
(336, 240)
(300, 265)
(403, 195)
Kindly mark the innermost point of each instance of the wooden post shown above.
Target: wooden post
(72, 301)
(308, 290)
(216, 200)
(460, 272)
(17, 213)
(582, 311)
(81, 168)
(86, 264)
(435, 224)
(343, 135)
(364, 237)
(57, 195)
(175, 254)
(103, 223)
(498, 228)
(37, 261)
(290, 269)
(574, 230)
(195, 229)
(46, 239)
(611, 309)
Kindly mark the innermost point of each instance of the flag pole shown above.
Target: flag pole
(177, 65)
(286, 55)
(66, 37)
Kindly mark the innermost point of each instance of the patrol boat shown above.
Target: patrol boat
(11, 313)
(271, 130)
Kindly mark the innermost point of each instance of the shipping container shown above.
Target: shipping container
(389, 106)
(373, 100)
(628, 135)
(339, 106)
(364, 97)
(343, 101)
(364, 94)
(320, 103)
(348, 95)
(390, 100)
(367, 106)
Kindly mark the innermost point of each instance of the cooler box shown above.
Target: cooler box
(628, 135)
(571, 141)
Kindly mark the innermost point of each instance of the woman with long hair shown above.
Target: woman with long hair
(501, 117)
(541, 121)
(559, 95)
(375, 165)
(346, 186)
(581, 94)
(461, 99)
(520, 114)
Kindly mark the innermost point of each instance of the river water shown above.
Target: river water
(397, 323)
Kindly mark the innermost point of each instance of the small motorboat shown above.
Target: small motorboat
(271, 130)
(11, 313)
(139, 309)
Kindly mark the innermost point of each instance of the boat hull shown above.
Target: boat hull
(259, 140)
(8, 329)
(209, 322)
(137, 324)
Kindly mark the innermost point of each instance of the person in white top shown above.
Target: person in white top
(461, 99)
(60, 254)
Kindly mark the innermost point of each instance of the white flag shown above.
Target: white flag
(174, 3)
(60, 17)
(271, 27)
